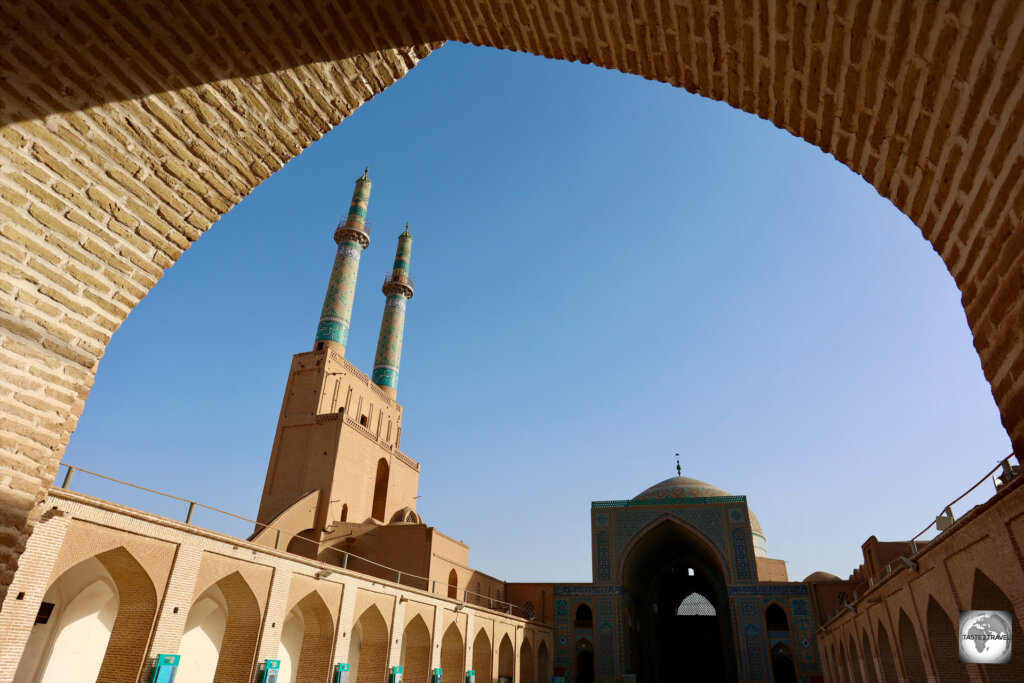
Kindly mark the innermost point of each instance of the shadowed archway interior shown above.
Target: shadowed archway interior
(677, 588)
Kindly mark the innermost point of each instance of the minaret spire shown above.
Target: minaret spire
(398, 290)
(352, 236)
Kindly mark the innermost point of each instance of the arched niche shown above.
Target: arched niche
(91, 622)
(526, 664)
(415, 655)
(368, 647)
(452, 653)
(227, 610)
(482, 657)
(506, 658)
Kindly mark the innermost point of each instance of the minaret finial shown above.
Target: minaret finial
(352, 236)
(679, 470)
(398, 290)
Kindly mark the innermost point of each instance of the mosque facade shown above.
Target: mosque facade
(341, 579)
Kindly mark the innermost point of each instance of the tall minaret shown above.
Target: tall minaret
(398, 289)
(352, 237)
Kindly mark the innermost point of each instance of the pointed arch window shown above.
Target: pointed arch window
(696, 605)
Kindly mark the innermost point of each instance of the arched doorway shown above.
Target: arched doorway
(676, 586)
(584, 662)
(783, 669)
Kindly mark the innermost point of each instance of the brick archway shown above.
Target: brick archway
(127, 129)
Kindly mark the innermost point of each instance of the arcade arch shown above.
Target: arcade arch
(885, 656)
(543, 664)
(942, 639)
(936, 130)
(869, 659)
(452, 650)
(482, 657)
(910, 649)
(368, 648)
(228, 607)
(526, 665)
(506, 658)
(90, 634)
(415, 655)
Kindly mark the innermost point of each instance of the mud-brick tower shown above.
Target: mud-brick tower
(336, 461)
(352, 237)
(398, 290)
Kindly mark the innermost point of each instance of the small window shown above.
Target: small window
(584, 617)
(689, 571)
(363, 420)
(45, 610)
(319, 346)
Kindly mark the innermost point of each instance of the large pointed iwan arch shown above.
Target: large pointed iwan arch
(919, 99)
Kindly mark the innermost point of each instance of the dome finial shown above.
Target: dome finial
(679, 470)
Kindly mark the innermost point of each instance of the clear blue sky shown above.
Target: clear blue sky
(608, 271)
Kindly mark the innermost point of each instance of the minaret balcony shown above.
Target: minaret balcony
(353, 231)
(398, 283)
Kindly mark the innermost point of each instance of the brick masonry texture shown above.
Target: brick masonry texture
(161, 567)
(127, 129)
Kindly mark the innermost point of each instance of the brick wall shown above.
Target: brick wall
(259, 587)
(127, 129)
(907, 622)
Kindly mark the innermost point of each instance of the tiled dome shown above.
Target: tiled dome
(682, 488)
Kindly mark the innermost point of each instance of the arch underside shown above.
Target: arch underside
(113, 166)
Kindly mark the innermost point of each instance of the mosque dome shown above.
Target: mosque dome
(821, 577)
(684, 488)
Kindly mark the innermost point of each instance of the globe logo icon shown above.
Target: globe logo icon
(985, 637)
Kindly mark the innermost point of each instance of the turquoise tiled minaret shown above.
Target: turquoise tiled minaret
(398, 290)
(352, 237)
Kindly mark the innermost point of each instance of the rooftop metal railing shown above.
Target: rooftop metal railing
(943, 522)
(348, 561)
(403, 279)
